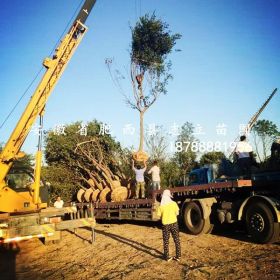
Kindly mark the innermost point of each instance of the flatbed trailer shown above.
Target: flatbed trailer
(255, 203)
(130, 209)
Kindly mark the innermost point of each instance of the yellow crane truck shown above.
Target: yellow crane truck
(24, 213)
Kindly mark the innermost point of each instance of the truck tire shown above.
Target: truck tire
(193, 219)
(260, 223)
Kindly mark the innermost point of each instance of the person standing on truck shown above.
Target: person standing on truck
(168, 211)
(244, 153)
(140, 181)
(155, 171)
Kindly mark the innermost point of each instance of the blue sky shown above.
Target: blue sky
(228, 65)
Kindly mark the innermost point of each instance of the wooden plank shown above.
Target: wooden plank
(24, 221)
(51, 211)
(71, 224)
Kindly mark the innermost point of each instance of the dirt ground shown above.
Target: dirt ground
(134, 251)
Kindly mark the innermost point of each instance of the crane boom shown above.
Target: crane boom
(54, 69)
(256, 115)
(254, 118)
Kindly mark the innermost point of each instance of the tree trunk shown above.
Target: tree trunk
(264, 149)
(141, 132)
(256, 146)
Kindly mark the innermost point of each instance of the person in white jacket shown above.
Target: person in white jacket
(155, 171)
(140, 180)
(244, 153)
(58, 203)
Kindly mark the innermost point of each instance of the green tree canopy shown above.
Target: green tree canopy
(78, 160)
(152, 41)
(170, 173)
(185, 156)
(211, 158)
(264, 133)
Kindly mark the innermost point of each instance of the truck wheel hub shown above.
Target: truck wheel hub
(257, 222)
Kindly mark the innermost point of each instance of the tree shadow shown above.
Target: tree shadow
(75, 232)
(8, 253)
(134, 244)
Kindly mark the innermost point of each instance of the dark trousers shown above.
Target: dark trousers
(245, 165)
(174, 230)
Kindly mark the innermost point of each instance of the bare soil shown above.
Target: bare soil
(134, 251)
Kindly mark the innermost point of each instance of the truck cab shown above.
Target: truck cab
(204, 175)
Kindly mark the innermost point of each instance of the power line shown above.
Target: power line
(39, 72)
(15, 106)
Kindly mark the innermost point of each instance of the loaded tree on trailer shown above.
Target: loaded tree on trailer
(208, 201)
